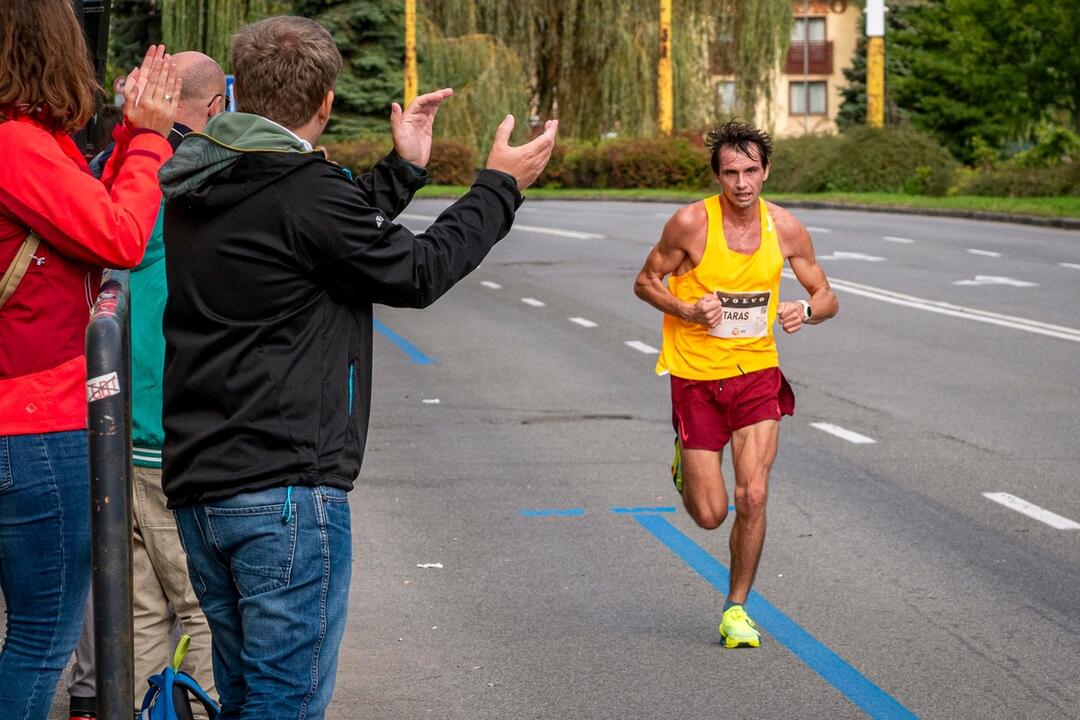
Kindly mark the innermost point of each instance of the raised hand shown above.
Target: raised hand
(152, 92)
(524, 162)
(411, 128)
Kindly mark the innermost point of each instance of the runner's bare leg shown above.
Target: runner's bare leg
(753, 451)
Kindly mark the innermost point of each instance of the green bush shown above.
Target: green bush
(452, 163)
(360, 154)
(1017, 180)
(632, 163)
(863, 160)
(800, 164)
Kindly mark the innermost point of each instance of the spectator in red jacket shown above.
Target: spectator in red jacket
(76, 225)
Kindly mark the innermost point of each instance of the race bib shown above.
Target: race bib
(745, 315)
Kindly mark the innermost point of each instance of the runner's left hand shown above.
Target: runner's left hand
(411, 128)
(790, 316)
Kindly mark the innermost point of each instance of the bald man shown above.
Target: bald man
(165, 605)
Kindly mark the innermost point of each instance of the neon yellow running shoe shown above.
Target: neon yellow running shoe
(676, 466)
(737, 629)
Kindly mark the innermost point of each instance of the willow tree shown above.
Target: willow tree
(205, 25)
(592, 63)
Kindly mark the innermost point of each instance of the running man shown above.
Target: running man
(724, 255)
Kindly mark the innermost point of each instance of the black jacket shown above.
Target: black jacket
(273, 264)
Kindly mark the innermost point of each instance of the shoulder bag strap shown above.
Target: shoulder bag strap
(18, 267)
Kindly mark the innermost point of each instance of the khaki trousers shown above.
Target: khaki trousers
(164, 603)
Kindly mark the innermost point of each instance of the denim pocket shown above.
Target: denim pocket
(7, 478)
(260, 547)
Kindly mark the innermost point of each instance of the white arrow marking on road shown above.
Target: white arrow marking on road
(1071, 266)
(894, 239)
(811, 228)
(492, 285)
(842, 255)
(533, 301)
(583, 322)
(995, 280)
(849, 435)
(642, 347)
(984, 253)
(527, 228)
(1042, 515)
(957, 311)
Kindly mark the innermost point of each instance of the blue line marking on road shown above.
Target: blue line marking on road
(636, 510)
(404, 345)
(554, 512)
(871, 699)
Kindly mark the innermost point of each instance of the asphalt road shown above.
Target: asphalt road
(521, 553)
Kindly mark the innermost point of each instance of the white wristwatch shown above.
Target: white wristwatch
(807, 311)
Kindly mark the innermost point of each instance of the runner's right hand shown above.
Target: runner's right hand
(707, 311)
(152, 92)
(525, 162)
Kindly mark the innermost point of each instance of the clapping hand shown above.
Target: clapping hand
(524, 162)
(152, 92)
(411, 127)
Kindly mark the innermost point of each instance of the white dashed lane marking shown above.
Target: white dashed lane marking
(492, 285)
(576, 234)
(850, 435)
(900, 240)
(1034, 511)
(642, 347)
(996, 280)
(533, 301)
(583, 322)
(984, 253)
(1071, 266)
(824, 231)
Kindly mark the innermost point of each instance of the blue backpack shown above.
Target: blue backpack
(170, 693)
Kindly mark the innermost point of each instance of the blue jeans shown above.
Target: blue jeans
(44, 564)
(273, 583)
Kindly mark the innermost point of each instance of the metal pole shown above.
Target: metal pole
(875, 63)
(94, 17)
(806, 67)
(412, 82)
(664, 80)
(108, 391)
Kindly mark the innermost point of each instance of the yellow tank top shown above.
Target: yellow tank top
(748, 287)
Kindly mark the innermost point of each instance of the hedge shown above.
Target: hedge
(1019, 181)
(863, 160)
(897, 160)
(632, 163)
(451, 163)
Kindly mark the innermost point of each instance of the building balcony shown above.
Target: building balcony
(819, 55)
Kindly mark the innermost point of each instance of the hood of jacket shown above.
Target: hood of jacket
(236, 155)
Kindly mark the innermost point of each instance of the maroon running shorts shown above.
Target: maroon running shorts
(706, 412)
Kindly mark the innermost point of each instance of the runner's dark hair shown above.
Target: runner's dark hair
(739, 135)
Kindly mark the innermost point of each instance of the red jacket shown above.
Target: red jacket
(84, 224)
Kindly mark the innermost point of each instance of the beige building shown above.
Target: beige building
(806, 95)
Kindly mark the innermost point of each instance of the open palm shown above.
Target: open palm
(411, 128)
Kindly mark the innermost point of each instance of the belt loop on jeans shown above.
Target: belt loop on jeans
(286, 512)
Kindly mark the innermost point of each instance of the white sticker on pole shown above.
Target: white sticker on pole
(102, 386)
(875, 18)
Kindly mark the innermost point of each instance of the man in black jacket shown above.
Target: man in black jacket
(274, 259)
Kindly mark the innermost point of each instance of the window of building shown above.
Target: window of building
(808, 98)
(816, 26)
(725, 90)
